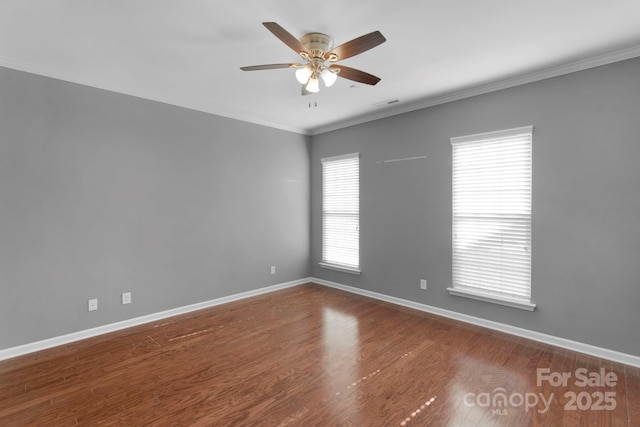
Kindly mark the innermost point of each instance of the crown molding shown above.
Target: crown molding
(521, 79)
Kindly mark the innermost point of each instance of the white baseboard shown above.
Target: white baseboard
(603, 353)
(88, 333)
(627, 359)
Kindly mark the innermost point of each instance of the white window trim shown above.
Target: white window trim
(341, 268)
(332, 265)
(478, 294)
(492, 135)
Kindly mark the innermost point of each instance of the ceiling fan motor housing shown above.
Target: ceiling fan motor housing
(317, 42)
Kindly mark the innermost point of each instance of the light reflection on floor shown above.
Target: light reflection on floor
(341, 339)
(341, 342)
(418, 411)
(366, 377)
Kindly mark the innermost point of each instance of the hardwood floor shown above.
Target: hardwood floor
(314, 356)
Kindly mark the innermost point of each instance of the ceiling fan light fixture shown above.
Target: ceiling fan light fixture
(303, 74)
(319, 57)
(329, 77)
(313, 86)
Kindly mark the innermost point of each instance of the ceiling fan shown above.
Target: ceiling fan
(320, 58)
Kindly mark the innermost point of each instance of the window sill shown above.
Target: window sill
(341, 268)
(493, 299)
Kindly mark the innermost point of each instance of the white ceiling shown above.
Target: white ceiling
(188, 53)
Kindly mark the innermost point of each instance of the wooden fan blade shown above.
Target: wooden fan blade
(268, 67)
(357, 46)
(356, 75)
(285, 36)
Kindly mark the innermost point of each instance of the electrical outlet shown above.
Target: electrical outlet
(93, 304)
(423, 284)
(126, 298)
(273, 269)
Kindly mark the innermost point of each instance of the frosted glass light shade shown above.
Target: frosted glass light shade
(303, 74)
(313, 85)
(329, 77)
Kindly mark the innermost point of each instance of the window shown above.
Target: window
(341, 213)
(492, 217)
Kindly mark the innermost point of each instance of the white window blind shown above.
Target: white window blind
(341, 213)
(492, 217)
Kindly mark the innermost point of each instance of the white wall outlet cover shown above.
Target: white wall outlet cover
(126, 298)
(93, 304)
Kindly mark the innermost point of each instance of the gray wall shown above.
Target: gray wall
(102, 193)
(586, 204)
